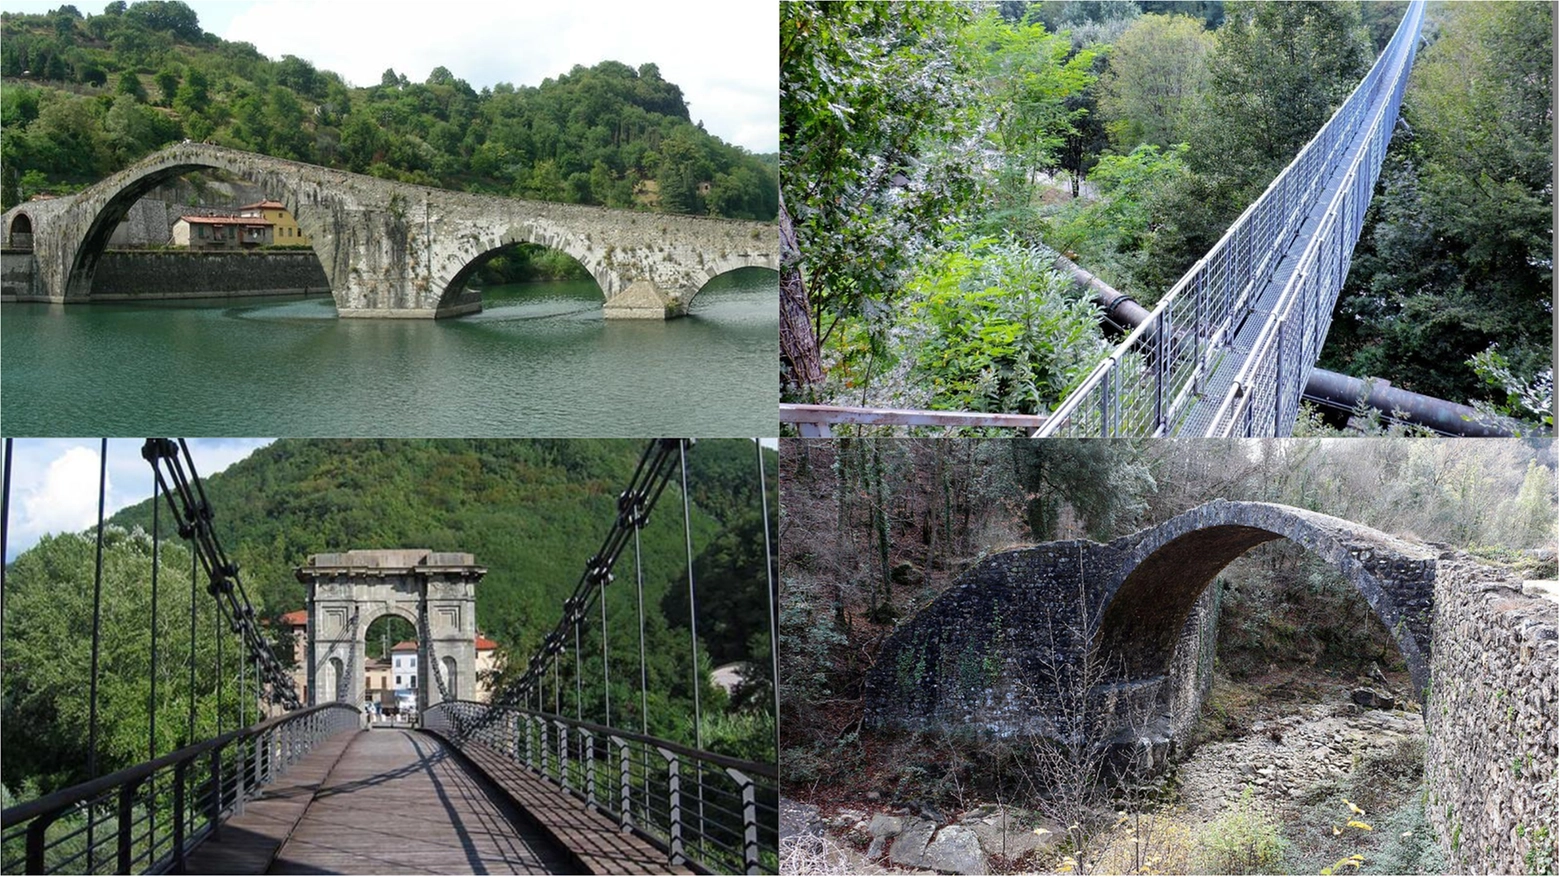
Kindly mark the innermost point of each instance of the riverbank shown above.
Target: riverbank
(1290, 752)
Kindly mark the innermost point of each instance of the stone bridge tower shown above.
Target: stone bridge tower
(434, 591)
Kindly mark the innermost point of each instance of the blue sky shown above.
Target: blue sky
(724, 54)
(54, 481)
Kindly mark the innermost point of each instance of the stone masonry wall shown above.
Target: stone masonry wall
(18, 275)
(1491, 716)
(132, 275)
(983, 655)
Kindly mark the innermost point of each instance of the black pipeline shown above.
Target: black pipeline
(1334, 390)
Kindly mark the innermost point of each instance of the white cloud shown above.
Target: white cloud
(64, 499)
(55, 482)
(724, 55)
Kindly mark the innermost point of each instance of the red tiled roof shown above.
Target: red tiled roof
(227, 220)
(296, 618)
(484, 644)
(265, 205)
(404, 646)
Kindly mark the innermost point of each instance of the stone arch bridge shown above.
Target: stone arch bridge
(1116, 641)
(1133, 620)
(395, 249)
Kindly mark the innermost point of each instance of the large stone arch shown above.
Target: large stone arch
(1168, 567)
(434, 591)
(68, 254)
(992, 652)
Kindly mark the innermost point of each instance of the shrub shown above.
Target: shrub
(1242, 840)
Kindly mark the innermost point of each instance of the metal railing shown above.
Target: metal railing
(1149, 383)
(147, 818)
(706, 811)
(1265, 397)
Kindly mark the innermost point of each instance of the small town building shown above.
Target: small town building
(221, 232)
(403, 664)
(286, 230)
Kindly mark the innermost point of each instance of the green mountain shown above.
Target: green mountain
(533, 513)
(86, 95)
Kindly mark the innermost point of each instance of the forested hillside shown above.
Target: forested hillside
(87, 94)
(532, 512)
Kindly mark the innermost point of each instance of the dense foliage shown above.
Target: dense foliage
(1456, 259)
(1129, 136)
(86, 95)
(532, 512)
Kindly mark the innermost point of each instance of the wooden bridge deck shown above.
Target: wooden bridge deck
(393, 802)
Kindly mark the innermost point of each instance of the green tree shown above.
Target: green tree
(166, 15)
(1157, 79)
(130, 85)
(167, 84)
(872, 98)
(1277, 71)
(47, 646)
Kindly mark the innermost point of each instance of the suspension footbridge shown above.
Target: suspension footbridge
(546, 776)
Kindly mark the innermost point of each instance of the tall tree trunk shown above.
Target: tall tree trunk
(799, 362)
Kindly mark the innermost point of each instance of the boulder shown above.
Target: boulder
(1372, 699)
(956, 850)
(909, 847)
(884, 825)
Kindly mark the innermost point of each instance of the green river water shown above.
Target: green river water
(538, 361)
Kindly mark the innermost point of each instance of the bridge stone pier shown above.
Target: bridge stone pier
(394, 249)
(434, 591)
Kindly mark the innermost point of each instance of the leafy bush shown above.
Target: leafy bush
(1242, 840)
(1006, 332)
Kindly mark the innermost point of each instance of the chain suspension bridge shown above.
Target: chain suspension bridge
(547, 776)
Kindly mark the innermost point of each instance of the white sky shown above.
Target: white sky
(725, 54)
(54, 481)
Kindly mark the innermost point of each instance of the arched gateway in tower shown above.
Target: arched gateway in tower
(435, 591)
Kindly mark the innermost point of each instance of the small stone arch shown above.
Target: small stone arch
(333, 675)
(1167, 568)
(20, 234)
(452, 295)
(703, 279)
(452, 679)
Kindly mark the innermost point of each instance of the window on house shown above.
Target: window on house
(398, 682)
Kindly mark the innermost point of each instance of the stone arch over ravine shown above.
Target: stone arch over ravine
(1168, 567)
(987, 652)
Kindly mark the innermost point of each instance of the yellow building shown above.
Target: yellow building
(287, 230)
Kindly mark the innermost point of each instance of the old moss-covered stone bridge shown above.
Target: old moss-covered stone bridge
(1026, 640)
(395, 249)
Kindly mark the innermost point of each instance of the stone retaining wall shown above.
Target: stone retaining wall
(129, 275)
(1491, 716)
(182, 274)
